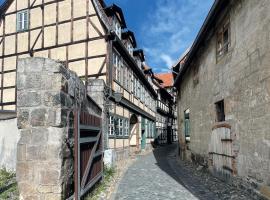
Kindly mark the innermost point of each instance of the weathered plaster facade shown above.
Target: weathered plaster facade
(9, 137)
(240, 145)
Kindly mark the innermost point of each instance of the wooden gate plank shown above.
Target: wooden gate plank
(77, 154)
(93, 152)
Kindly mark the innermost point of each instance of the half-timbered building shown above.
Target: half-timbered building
(92, 39)
(165, 129)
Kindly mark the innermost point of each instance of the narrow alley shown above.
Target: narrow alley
(158, 175)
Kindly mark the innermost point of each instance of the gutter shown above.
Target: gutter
(214, 11)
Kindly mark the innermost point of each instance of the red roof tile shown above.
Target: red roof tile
(167, 79)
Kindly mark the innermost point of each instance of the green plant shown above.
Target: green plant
(8, 185)
(101, 186)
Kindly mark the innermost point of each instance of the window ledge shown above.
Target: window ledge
(7, 114)
(118, 137)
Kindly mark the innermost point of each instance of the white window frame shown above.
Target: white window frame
(120, 127)
(130, 49)
(126, 127)
(111, 126)
(117, 28)
(23, 20)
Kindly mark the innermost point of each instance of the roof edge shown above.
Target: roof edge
(215, 9)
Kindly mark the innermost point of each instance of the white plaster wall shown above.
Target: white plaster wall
(9, 137)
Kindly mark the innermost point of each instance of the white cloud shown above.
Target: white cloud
(167, 59)
(171, 28)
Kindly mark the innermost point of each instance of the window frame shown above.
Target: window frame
(187, 124)
(126, 127)
(222, 47)
(23, 23)
(111, 125)
(220, 111)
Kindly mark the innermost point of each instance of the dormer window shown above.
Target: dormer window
(130, 49)
(117, 28)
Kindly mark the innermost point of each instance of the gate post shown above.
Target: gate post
(47, 94)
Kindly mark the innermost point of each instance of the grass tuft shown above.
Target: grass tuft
(103, 185)
(8, 185)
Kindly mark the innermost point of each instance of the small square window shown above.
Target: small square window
(220, 112)
(22, 20)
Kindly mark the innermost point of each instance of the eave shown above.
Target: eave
(5, 5)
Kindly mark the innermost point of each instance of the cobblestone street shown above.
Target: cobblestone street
(159, 176)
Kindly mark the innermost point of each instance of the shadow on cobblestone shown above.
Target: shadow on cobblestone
(195, 179)
(161, 176)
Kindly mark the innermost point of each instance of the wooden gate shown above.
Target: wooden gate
(220, 152)
(88, 150)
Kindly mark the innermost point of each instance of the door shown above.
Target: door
(143, 137)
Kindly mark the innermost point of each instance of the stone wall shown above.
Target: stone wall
(9, 137)
(242, 79)
(47, 95)
(97, 90)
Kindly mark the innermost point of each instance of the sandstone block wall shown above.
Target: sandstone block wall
(47, 95)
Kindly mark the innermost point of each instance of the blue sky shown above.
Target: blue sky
(164, 28)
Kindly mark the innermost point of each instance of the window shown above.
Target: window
(131, 83)
(124, 79)
(126, 128)
(127, 78)
(117, 28)
(187, 125)
(120, 127)
(139, 90)
(130, 49)
(117, 67)
(143, 92)
(135, 87)
(220, 113)
(22, 20)
(223, 39)
(111, 125)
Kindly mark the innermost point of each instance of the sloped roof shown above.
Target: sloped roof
(112, 10)
(167, 79)
(213, 15)
(4, 6)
